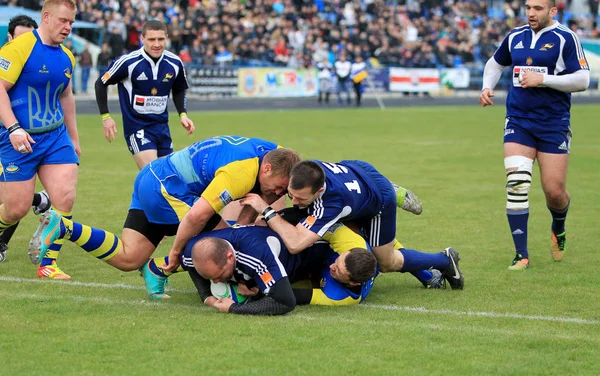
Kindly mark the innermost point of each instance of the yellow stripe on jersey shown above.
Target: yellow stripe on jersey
(319, 298)
(180, 207)
(231, 182)
(397, 244)
(343, 239)
(14, 55)
(71, 57)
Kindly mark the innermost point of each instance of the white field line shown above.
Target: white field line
(573, 320)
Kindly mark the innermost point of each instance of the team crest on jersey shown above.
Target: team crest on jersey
(322, 283)
(1, 169)
(267, 278)
(225, 197)
(583, 63)
(44, 70)
(68, 73)
(310, 220)
(5, 64)
(106, 76)
(153, 91)
(168, 76)
(529, 61)
(11, 168)
(547, 46)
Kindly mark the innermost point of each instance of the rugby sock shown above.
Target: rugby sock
(55, 247)
(101, 244)
(415, 261)
(3, 224)
(8, 233)
(156, 264)
(558, 219)
(397, 245)
(517, 220)
(423, 276)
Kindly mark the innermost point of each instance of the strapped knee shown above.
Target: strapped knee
(518, 182)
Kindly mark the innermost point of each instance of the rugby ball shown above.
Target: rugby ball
(227, 290)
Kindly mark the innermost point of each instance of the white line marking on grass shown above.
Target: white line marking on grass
(88, 284)
(573, 320)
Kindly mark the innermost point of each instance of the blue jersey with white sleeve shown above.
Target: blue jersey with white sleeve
(261, 258)
(554, 50)
(350, 194)
(144, 87)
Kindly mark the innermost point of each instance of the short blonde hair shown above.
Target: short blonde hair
(51, 3)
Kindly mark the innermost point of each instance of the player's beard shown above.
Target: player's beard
(542, 23)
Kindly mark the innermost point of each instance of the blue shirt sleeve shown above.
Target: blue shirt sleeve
(116, 72)
(181, 82)
(502, 54)
(573, 55)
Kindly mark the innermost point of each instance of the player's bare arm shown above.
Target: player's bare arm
(20, 140)
(191, 224)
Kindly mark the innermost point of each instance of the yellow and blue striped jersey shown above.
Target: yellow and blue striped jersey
(221, 169)
(39, 74)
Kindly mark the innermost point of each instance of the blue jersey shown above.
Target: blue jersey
(39, 73)
(555, 50)
(336, 293)
(144, 87)
(350, 194)
(261, 258)
(220, 169)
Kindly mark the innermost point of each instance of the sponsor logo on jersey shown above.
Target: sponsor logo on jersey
(547, 46)
(529, 61)
(5, 63)
(563, 146)
(140, 101)
(168, 76)
(105, 76)
(519, 46)
(142, 77)
(583, 63)
(267, 278)
(44, 70)
(153, 91)
(68, 73)
(509, 131)
(310, 220)
(225, 197)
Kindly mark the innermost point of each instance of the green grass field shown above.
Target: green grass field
(544, 321)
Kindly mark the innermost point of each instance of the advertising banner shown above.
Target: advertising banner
(377, 81)
(277, 82)
(414, 79)
(213, 80)
(455, 78)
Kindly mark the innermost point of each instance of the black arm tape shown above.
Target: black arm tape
(280, 300)
(101, 96)
(293, 215)
(303, 296)
(179, 101)
(202, 285)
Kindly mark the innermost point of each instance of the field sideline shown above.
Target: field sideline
(544, 321)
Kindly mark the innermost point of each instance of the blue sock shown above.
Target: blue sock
(558, 219)
(423, 276)
(517, 220)
(415, 261)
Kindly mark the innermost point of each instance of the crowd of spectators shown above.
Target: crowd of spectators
(300, 33)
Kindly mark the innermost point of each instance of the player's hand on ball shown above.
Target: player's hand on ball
(223, 304)
(242, 289)
(485, 97)
(110, 128)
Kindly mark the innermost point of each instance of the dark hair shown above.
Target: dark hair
(361, 264)
(282, 160)
(153, 25)
(20, 20)
(212, 249)
(307, 174)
